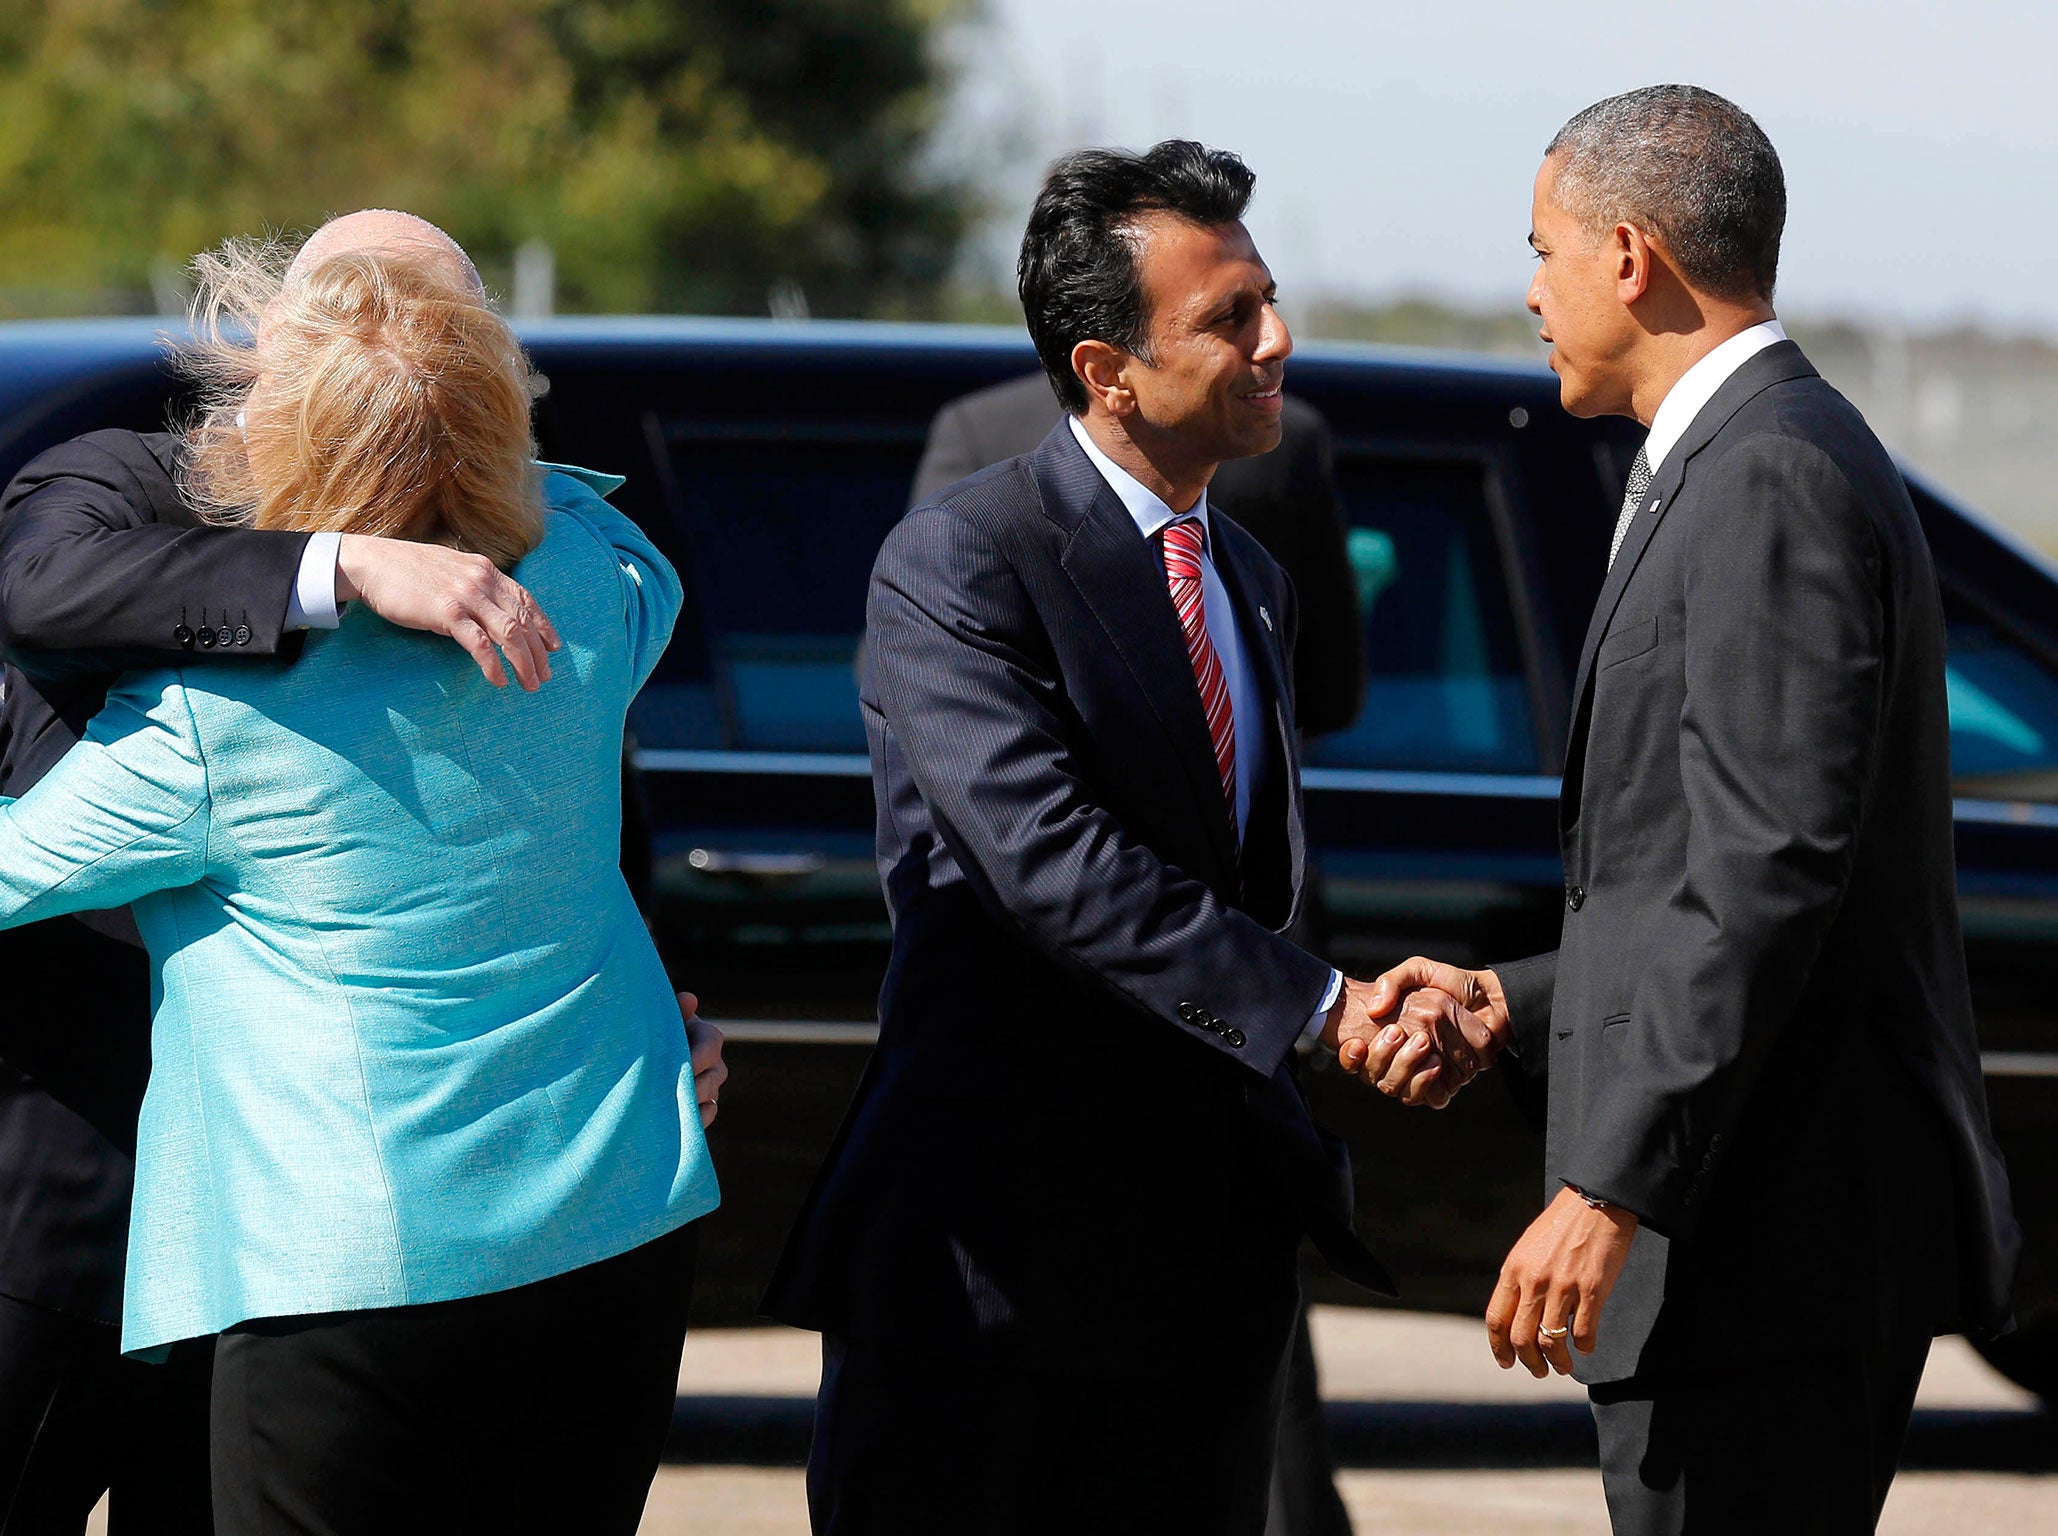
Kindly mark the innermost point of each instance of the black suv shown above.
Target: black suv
(768, 460)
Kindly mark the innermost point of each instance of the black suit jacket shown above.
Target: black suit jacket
(1285, 498)
(100, 568)
(1080, 1120)
(1757, 1033)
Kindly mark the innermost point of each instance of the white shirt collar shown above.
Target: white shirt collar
(1144, 505)
(1697, 386)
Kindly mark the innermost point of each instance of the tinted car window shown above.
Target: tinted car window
(780, 535)
(2004, 713)
(1446, 689)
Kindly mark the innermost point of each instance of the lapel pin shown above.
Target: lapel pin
(1265, 614)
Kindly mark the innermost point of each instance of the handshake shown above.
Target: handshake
(1421, 1031)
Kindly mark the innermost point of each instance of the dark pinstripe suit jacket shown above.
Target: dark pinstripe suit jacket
(1079, 1121)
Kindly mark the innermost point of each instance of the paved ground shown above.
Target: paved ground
(729, 1501)
(1365, 1355)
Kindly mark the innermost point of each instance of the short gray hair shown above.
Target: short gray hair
(1687, 166)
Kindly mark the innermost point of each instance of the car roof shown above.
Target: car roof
(45, 359)
(43, 352)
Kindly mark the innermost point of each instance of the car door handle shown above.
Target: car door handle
(757, 867)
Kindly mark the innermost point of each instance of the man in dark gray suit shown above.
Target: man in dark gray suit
(1771, 1178)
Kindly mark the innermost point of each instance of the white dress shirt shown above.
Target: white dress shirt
(312, 602)
(1151, 515)
(1697, 386)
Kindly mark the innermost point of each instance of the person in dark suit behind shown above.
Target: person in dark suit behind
(103, 567)
(1052, 1250)
(1771, 1176)
(1285, 499)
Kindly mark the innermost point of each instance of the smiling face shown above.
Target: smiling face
(1218, 348)
(1579, 292)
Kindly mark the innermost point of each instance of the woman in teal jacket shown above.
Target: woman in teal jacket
(419, 1095)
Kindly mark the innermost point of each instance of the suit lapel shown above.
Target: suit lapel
(1117, 574)
(1777, 364)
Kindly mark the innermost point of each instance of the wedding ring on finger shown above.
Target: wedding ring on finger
(1553, 1334)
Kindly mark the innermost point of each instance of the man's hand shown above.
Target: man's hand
(448, 592)
(1416, 1053)
(1484, 1007)
(1554, 1283)
(704, 1043)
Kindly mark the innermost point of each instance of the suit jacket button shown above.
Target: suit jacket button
(242, 634)
(1188, 1012)
(225, 636)
(1235, 1039)
(1576, 897)
(206, 636)
(183, 635)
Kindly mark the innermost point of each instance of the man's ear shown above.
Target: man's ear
(1101, 369)
(1633, 257)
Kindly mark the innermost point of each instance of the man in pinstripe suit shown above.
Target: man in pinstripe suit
(1052, 1252)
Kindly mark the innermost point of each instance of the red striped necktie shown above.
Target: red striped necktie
(1184, 541)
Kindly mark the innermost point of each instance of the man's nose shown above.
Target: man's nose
(1275, 342)
(1534, 298)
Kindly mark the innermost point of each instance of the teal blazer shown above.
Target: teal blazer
(412, 1040)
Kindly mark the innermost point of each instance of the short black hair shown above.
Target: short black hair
(1688, 166)
(1078, 273)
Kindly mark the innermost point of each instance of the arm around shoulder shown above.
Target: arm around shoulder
(88, 563)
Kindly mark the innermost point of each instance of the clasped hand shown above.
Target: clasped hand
(1420, 1032)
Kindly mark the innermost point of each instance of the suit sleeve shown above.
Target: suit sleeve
(1329, 661)
(125, 813)
(1784, 658)
(948, 454)
(86, 569)
(652, 594)
(961, 673)
(1528, 987)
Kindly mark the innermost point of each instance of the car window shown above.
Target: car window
(2004, 713)
(779, 536)
(1445, 688)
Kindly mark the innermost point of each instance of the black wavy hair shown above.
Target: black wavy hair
(1078, 274)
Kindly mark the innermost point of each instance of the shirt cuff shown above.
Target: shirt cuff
(1312, 1035)
(312, 603)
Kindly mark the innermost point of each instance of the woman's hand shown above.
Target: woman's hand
(704, 1042)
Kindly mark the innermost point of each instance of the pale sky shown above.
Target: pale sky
(1395, 143)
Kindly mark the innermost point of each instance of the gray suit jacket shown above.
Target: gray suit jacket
(1756, 1033)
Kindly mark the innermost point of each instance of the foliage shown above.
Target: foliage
(675, 154)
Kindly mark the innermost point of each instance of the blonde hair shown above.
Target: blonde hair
(376, 393)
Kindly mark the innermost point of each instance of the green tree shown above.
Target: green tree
(674, 154)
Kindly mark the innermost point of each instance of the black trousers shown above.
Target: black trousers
(544, 1408)
(908, 1443)
(1304, 1500)
(1801, 1446)
(77, 1421)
